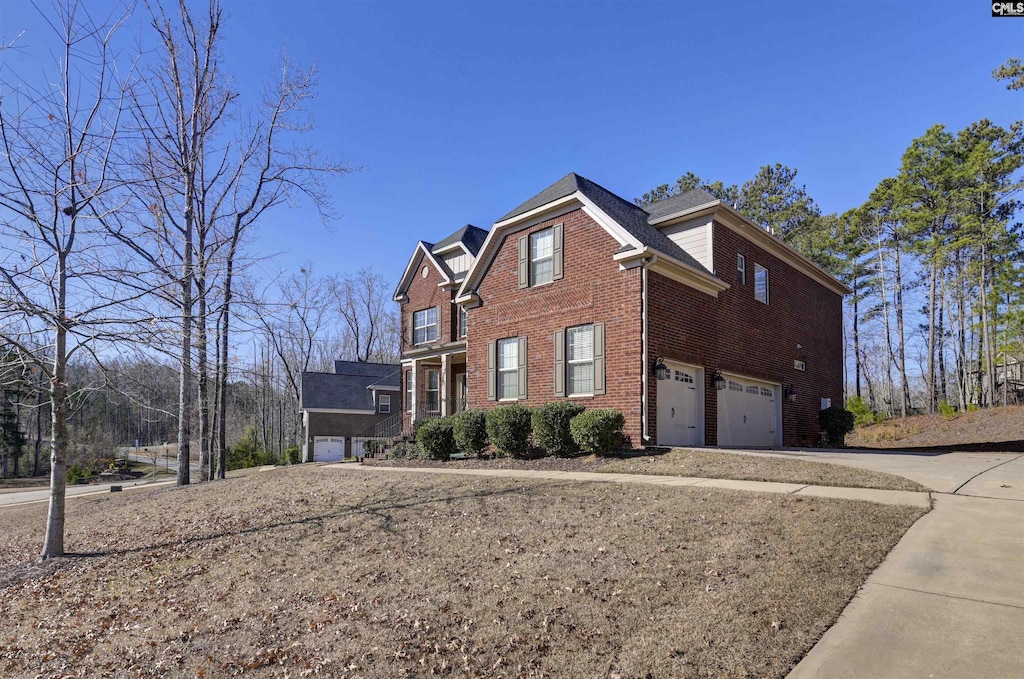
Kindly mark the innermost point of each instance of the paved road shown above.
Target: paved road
(43, 494)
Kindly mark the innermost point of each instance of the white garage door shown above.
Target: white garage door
(678, 407)
(747, 413)
(328, 448)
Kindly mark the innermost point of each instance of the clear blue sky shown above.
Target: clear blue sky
(457, 112)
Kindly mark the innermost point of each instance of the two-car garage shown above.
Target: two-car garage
(749, 410)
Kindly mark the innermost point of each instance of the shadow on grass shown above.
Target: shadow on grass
(377, 510)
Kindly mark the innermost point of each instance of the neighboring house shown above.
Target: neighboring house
(434, 327)
(695, 323)
(342, 408)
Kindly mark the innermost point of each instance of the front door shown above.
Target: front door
(677, 407)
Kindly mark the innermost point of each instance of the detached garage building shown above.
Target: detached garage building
(339, 409)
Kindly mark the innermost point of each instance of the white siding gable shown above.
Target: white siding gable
(459, 262)
(694, 237)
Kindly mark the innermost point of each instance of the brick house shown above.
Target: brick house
(701, 327)
(341, 408)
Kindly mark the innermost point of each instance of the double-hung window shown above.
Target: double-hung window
(424, 324)
(508, 368)
(580, 345)
(542, 249)
(463, 321)
(384, 404)
(760, 284)
(741, 269)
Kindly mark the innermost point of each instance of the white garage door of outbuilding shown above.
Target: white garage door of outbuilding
(680, 415)
(748, 413)
(328, 448)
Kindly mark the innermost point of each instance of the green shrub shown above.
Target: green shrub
(246, 453)
(436, 438)
(471, 431)
(406, 450)
(972, 407)
(862, 413)
(293, 455)
(76, 473)
(508, 428)
(947, 410)
(551, 427)
(836, 422)
(598, 431)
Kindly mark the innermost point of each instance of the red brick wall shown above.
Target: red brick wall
(739, 334)
(593, 289)
(424, 293)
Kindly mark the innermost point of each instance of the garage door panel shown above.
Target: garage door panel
(328, 448)
(678, 408)
(747, 413)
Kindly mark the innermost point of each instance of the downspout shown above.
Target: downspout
(644, 369)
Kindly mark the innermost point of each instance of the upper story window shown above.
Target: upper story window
(508, 368)
(760, 284)
(463, 321)
(542, 247)
(384, 404)
(580, 345)
(424, 326)
(741, 269)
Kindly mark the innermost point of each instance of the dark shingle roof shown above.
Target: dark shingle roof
(680, 202)
(631, 217)
(470, 236)
(347, 387)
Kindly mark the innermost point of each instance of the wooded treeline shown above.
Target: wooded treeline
(132, 178)
(935, 259)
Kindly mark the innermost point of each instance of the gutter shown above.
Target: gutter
(644, 398)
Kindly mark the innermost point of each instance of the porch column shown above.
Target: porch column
(414, 377)
(446, 368)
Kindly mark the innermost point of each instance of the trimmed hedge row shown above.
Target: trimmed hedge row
(562, 428)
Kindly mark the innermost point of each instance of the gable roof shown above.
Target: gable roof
(348, 387)
(470, 237)
(631, 217)
(678, 203)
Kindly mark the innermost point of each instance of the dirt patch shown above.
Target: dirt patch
(991, 430)
(346, 573)
(718, 465)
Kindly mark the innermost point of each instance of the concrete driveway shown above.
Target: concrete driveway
(948, 601)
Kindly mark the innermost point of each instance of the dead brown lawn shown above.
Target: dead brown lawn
(351, 573)
(716, 465)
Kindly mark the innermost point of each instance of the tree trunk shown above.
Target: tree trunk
(986, 343)
(38, 446)
(941, 349)
(856, 338)
(204, 366)
(898, 303)
(185, 383)
(53, 545)
(932, 381)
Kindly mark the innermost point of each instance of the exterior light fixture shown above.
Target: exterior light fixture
(661, 370)
(719, 380)
(789, 391)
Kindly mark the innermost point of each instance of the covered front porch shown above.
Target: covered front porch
(434, 386)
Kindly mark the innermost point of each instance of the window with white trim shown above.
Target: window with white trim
(463, 321)
(542, 251)
(760, 284)
(424, 326)
(580, 345)
(408, 391)
(508, 368)
(433, 391)
(384, 403)
(741, 269)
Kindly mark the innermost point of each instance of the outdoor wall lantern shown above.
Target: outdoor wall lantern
(661, 370)
(789, 391)
(719, 380)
